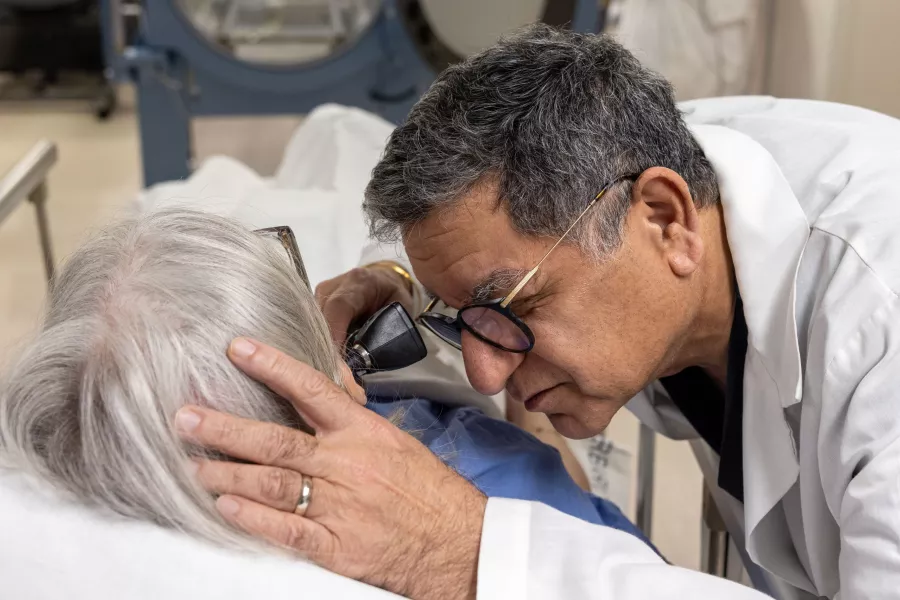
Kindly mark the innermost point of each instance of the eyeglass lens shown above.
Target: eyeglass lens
(495, 327)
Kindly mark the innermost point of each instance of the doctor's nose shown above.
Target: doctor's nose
(488, 368)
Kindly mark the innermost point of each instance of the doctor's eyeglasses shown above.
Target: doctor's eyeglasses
(285, 236)
(493, 322)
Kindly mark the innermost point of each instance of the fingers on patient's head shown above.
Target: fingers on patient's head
(317, 398)
(272, 486)
(244, 439)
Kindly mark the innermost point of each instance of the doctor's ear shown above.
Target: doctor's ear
(666, 217)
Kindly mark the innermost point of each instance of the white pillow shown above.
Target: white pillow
(51, 548)
(317, 191)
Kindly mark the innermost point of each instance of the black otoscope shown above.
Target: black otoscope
(387, 341)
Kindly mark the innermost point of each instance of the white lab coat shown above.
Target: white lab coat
(812, 214)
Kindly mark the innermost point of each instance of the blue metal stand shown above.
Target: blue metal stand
(165, 116)
(180, 75)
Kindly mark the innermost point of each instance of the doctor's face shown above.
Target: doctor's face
(603, 330)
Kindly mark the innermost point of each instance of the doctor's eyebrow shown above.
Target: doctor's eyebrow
(496, 285)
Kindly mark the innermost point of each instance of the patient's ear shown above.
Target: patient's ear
(354, 389)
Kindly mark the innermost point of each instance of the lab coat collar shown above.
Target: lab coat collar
(767, 232)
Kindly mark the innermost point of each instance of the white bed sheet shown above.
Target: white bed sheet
(51, 549)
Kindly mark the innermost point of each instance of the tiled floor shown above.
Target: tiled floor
(99, 172)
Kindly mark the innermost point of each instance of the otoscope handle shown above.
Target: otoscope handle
(387, 341)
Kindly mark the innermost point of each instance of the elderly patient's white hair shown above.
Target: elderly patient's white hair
(136, 326)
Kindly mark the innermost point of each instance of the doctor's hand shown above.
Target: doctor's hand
(359, 293)
(382, 508)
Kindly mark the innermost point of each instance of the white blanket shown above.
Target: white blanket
(317, 190)
(51, 549)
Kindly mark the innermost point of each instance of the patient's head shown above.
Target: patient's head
(136, 326)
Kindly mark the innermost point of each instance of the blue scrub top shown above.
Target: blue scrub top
(501, 459)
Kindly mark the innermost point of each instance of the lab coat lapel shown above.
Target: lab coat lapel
(767, 231)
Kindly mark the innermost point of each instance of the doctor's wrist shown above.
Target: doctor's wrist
(448, 569)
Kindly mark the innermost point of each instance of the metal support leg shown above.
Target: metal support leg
(27, 180)
(714, 543)
(645, 467)
(39, 199)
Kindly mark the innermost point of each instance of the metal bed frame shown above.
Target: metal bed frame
(27, 180)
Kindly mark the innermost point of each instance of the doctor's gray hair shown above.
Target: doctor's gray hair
(136, 326)
(550, 117)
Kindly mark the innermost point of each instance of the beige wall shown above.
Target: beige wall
(454, 24)
(800, 51)
(839, 50)
(866, 70)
